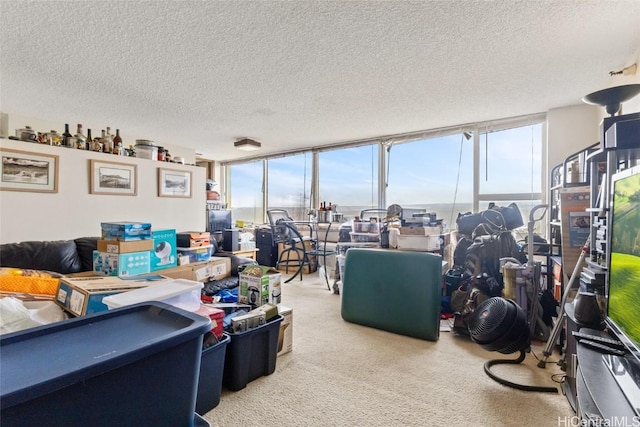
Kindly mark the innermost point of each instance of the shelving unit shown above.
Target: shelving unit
(574, 171)
(590, 389)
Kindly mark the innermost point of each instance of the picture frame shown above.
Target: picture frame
(174, 183)
(113, 178)
(28, 171)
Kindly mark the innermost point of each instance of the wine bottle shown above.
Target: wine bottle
(66, 136)
(117, 149)
(89, 140)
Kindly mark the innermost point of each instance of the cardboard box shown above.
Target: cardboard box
(123, 247)
(285, 336)
(215, 269)
(193, 239)
(121, 265)
(197, 254)
(294, 256)
(247, 321)
(164, 252)
(217, 318)
(270, 311)
(125, 230)
(83, 295)
(256, 283)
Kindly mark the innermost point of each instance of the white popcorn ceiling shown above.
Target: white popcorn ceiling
(300, 74)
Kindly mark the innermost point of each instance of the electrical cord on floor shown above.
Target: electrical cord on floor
(523, 387)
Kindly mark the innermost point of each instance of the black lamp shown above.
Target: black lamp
(612, 97)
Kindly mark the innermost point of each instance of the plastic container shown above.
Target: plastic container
(251, 354)
(364, 237)
(210, 380)
(146, 149)
(135, 366)
(199, 254)
(181, 293)
(419, 243)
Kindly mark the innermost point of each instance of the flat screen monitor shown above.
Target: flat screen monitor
(623, 290)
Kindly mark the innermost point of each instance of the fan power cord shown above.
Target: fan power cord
(490, 363)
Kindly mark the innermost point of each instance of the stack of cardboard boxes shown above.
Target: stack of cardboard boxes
(194, 246)
(260, 286)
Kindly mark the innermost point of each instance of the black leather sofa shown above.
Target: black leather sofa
(60, 256)
(74, 256)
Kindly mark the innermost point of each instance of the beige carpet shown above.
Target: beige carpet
(343, 374)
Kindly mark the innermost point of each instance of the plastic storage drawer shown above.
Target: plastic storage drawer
(251, 354)
(133, 366)
(211, 370)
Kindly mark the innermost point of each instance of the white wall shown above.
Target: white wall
(569, 130)
(74, 212)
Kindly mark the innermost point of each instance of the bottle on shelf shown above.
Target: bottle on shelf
(330, 207)
(80, 139)
(106, 146)
(53, 138)
(89, 140)
(108, 141)
(117, 149)
(66, 136)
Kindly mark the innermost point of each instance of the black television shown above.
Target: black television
(623, 287)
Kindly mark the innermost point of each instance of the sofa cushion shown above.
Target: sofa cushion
(60, 256)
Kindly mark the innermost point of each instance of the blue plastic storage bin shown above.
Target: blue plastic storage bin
(251, 354)
(211, 370)
(133, 366)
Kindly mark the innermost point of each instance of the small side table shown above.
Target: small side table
(247, 253)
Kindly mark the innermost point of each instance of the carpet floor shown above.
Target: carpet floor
(343, 374)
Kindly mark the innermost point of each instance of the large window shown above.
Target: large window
(434, 174)
(290, 184)
(348, 178)
(245, 183)
(446, 171)
(510, 168)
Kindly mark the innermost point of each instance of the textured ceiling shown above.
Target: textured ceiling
(304, 73)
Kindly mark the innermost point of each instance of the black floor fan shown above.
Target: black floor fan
(499, 324)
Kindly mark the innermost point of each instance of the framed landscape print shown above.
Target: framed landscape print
(27, 171)
(174, 183)
(113, 178)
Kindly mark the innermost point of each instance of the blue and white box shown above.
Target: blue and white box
(121, 265)
(126, 230)
(164, 253)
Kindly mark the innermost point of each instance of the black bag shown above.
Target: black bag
(497, 217)
(468, 222)
(511, 214)
(464, 301)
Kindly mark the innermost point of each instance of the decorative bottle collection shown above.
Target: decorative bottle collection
(105, 143)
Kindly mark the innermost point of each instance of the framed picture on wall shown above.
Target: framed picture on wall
(27, 171)
(174, 183)
(113, 178)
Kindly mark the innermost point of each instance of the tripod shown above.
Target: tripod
(558, 326)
